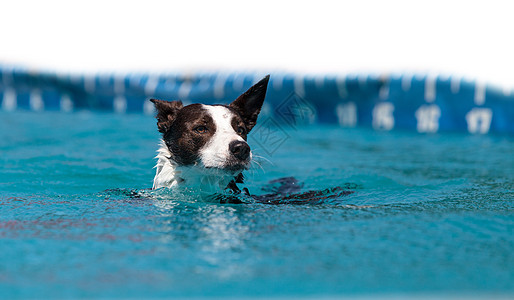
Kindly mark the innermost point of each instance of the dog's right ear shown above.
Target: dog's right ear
(166, 112)
(249, 104)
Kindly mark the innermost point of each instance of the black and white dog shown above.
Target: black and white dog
(204, 146)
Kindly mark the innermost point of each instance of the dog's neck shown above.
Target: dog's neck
(170, 175)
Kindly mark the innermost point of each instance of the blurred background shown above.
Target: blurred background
(465, 38)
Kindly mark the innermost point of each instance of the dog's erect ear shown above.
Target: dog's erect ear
(166, 113)
(249, 104)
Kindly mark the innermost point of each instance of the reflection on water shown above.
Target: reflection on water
(219, 234)
(222, 228)
(223, 239)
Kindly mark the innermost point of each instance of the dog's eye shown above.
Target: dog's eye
(240, 130)
(200, 129)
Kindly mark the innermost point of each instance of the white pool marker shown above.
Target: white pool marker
(406, 82)
(507, 91)
(383, 118)
(219, 86)
(151, 85)
(342, 91)
(204, 84)
(66, 103)
(480, 90)
(299, 86)
(120, 104)
(257, 77)
(36, 100)
(347, 114)
(319, 81)
(9, 101)
(277, 82)
(148, 108)
(184, 90)
(479, 120)
(430, 88)
(266, 109)
(455, 84)
(238, 83)
(427, 117)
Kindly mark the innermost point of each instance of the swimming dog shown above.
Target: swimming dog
(204, 147)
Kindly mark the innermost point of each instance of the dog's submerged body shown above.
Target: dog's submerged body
(204, 146)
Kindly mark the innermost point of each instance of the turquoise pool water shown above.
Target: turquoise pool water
(431, 215)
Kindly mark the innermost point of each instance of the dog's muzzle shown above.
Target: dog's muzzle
(239, 150)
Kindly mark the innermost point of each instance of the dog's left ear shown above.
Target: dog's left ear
(166, 113)
(249, 104)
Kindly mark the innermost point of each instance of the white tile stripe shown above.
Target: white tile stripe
(430, 88)
(406, 82)
(299, 86)
(480, 89)
(319, 81)
(151, 85)
(184, 90)
(238, 82)
(120, 104)
(277, 82)
(66, 103)
(219, 86)
(9, 101)
(36, 103)
(342, 91)
(36, 100)
(148, 108)
(455, 84)
(257, 78)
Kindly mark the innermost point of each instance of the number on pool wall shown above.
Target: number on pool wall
(479, 120)
(36, 100)
(347, 114)
(120, 104)
(383, 118)
(9, 100)
(427, 117)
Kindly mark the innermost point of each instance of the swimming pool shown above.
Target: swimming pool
(431, 215)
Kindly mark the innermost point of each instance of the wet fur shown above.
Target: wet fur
(206, 161)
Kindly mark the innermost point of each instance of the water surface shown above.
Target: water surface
(431, 214)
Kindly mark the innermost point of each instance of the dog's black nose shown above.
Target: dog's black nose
(239, 149)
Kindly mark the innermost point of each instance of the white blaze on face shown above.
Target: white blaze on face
(216, 152)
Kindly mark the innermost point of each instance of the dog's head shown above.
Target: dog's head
(211, 136)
